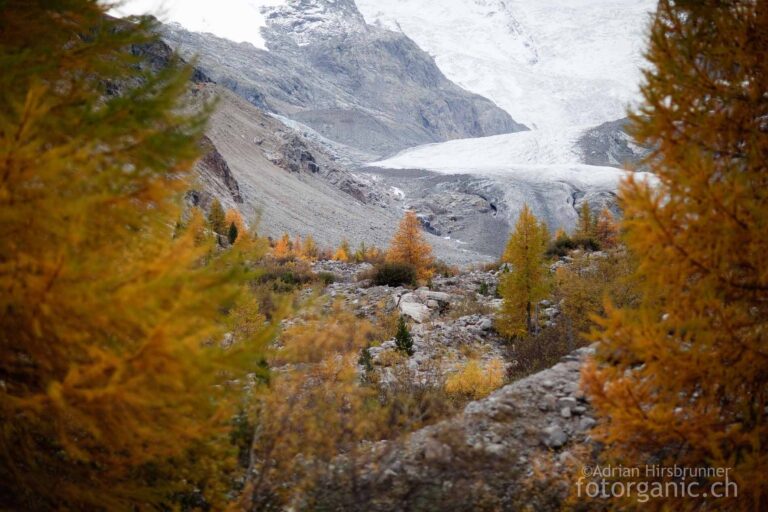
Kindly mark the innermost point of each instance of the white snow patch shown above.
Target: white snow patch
(534, 157)
(398, 193)
(541, 147)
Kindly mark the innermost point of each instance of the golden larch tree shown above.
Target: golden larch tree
(343, 252)
(283, 249)
(409, 246)
(309, 250)
(105, 373)
(525, 283)
(314, 412)
(217, 219)
(298, 247)
(606, 229)
(586, 225)
(683, 378)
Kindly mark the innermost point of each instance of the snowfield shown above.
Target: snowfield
(559, 66)
(549, 63)
(534, 156)
(536, 147)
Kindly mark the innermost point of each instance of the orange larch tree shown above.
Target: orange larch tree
(106, 362)
(683, 378)
(606, 229)
(409, 246)
(283, 247)
(309, 249)
(343, 252)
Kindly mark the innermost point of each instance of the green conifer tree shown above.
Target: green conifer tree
(232, 234)
(403, 338)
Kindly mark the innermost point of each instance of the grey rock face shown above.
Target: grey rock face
(479, 211)
(215, 176)
(609, 144)
(366, 87)
(472, 211)
(157, 55)
(291, 184)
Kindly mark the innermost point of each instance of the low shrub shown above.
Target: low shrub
(560, 247)
(563, 245)
(532, 354)
(327, 278)
(475, 381)
(387, 322)
(441, 268)
(587, 243)
(413, 405)
(390, 358)
(286, 276)
(395, 274)
(489, 267)
(468, 306)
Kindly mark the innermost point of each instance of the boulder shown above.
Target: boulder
(486, 324)
(418, 312)
(586, 423)
(436, 296)
(554, 436)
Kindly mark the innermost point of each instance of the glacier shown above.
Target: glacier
(567, 69)
(562, 67)
(558, 66)
(549, 63)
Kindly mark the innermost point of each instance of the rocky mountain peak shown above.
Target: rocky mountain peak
(303, 22)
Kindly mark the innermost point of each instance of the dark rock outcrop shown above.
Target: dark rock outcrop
(609, 144)
(215, 177)
(157, 55)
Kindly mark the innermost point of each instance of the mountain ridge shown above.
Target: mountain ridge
(366, 87)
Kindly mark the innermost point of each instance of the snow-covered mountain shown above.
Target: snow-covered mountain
(394, 80)
(568, 69)
(549, 63)
(363, 86)
(236, 20)
(560, 66)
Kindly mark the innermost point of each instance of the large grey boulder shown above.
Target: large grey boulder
(415, 310)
